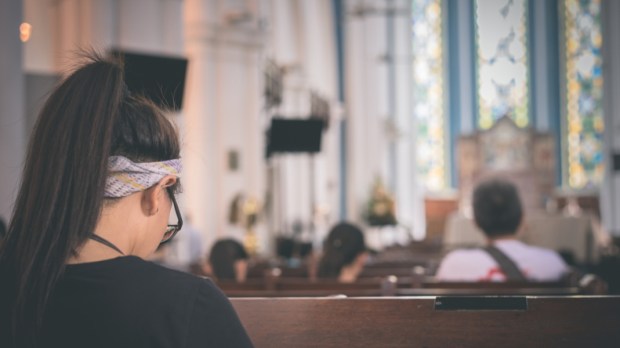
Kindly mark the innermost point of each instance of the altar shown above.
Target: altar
(526, 158)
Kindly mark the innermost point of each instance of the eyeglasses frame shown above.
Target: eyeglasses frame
(175, 228)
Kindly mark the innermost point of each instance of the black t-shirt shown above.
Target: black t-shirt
(129, 302)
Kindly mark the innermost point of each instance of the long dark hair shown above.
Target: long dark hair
(87, 118)
(343, 244)
(222, 257)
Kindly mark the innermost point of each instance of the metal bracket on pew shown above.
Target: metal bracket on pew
(487, 303)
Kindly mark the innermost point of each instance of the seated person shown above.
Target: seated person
(344, 253)
(498, 213)
(228, 260)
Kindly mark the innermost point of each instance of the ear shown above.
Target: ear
(150, 197)
(150, 200)
(168, 180)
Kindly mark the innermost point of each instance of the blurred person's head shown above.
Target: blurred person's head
(497, 208)
(344, 253)
(228, 260)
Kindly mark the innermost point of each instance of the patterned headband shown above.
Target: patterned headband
(126, 177)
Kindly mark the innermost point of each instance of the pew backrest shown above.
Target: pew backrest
(584, 321)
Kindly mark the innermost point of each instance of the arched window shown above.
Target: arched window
(583, 93)
(503, 83)
(428, 92)
(502, 64)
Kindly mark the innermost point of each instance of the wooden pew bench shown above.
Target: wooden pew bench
(582, 321)
(395, 286)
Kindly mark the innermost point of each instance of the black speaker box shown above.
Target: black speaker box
(159, 78)
(294, 135)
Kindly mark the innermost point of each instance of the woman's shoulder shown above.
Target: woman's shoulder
(137, 277)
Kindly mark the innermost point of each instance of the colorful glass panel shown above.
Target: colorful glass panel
(584, 93)
(501, 39)
(428, 90)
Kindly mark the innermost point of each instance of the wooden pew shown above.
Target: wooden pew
(390, 286)
(273, 285)
(291, 287)
(432, 322)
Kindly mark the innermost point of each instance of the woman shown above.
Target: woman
(228, 260)
(344, 253)
(96, 195)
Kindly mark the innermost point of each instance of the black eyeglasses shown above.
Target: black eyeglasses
(172, 230)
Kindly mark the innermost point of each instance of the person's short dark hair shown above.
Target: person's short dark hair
(343, 244)
(223, 255)
(497, 208)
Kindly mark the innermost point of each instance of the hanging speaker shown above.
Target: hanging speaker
(294, 135)
(159, 78)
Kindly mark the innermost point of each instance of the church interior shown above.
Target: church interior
(298, 118)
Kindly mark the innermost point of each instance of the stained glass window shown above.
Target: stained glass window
(584, 92)
(501, 39)
(428, 92)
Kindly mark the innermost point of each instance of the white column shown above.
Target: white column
(12, 142)
(200, 133)
(366, 75)
(318, 60)
(68, 37)
(302, 40)
(221, 114)
(409, 193)
(283, 33)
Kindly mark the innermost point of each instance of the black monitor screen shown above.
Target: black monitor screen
(159, 78)
(294, 135)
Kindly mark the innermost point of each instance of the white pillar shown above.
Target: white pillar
(222, 114)
(366, 100)
(12, 142)
(409, 193)
(283, 34)
(200, 134)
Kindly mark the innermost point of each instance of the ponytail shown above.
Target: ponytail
(61, 193)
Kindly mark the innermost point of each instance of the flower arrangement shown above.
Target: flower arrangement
(381, 210)
(244, 212)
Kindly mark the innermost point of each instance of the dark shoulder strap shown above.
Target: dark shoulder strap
(509, 267)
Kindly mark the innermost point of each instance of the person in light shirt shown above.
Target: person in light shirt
(498, 213)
